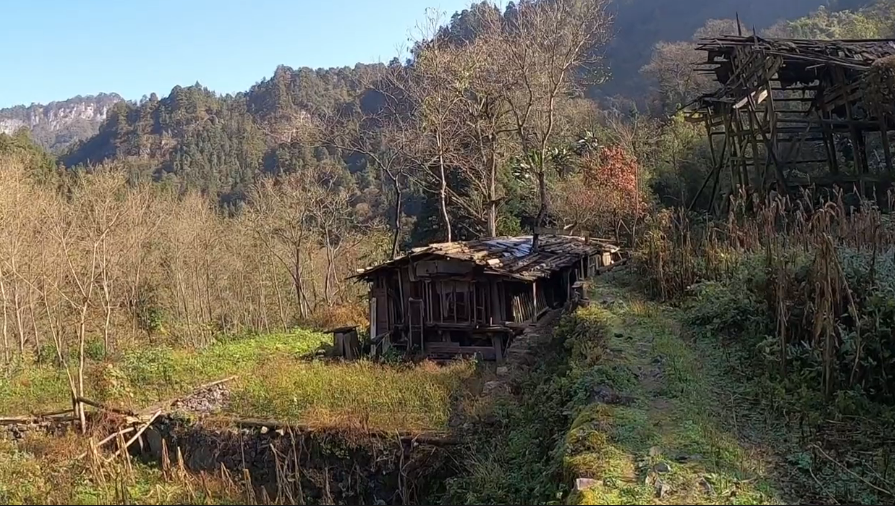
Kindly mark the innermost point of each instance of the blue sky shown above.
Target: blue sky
(55, 49)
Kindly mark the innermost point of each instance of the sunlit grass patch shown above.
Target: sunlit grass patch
(146, 375)
(354, 394)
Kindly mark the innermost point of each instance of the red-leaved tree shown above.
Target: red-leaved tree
(603, 197)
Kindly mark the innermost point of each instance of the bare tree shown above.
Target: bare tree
(282, 210)
(547, 47)
(385, 137)
(673, 65)
(485, 120)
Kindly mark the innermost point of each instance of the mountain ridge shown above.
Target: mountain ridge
(58, 124)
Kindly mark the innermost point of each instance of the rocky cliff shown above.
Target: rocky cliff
(58, 124)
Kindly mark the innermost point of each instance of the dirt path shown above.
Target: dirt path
(663, 425)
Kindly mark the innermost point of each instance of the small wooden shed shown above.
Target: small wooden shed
(345, 342)
(472, 297)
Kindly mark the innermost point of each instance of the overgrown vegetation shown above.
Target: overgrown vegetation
(511, 455)
(802, 290)
(765, 371)
(654, 424)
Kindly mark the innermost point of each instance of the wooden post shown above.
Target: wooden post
(454, 299)
(497, 343)
(474, 314)
(401, 295)
(857, 136)
(887, 149)
(374, 331)
(496, 317)
(829, 142)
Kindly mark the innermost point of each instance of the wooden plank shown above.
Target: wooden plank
(495, 300)
(771, 151)
(428, 268)
(452, 348)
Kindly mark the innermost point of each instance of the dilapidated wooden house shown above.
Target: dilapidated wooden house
(791, 114)
(472, 297)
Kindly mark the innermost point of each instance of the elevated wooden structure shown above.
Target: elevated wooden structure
(797, 113)
(473, 297)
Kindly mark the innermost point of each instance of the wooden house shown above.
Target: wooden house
(472, 297)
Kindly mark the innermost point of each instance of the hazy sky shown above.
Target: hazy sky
(55, 49)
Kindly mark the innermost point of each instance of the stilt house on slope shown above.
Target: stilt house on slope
(792, 113)
(472, 297)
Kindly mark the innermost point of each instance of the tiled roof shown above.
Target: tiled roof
(509, 256)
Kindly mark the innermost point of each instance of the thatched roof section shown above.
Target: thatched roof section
(507, 256)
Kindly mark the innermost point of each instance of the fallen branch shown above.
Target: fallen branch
(135, 437)
(106, 440)
(34, 420)
(9, 420)
(856, 475)
(103, 407)
(54, 413)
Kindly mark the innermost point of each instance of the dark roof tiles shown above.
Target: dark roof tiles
(510, 256)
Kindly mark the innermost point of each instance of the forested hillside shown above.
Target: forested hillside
(195, 139)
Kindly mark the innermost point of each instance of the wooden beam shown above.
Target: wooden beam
(771, 151)
(715, 169)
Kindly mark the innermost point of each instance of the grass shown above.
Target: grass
(278, 377)
(674, 439)
(142, 376)
(358, 394)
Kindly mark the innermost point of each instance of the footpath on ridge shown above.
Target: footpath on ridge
(620, 406)
(662, 423)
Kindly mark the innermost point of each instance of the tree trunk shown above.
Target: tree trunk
(327, 288)
(60, 355)
(20, 327)
(5, 319)
(37, 345)
(443, 190)
(542, 207)
(492, 195)
(107, 298)
(186, 308)
(299, 288)
(398, 203)
(276, 286)
(82, 337)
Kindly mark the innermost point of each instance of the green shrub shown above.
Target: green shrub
(95, 349)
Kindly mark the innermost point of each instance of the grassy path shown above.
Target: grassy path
(660, 423)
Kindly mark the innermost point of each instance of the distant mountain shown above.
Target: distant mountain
(57, 125)
(197, 139)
